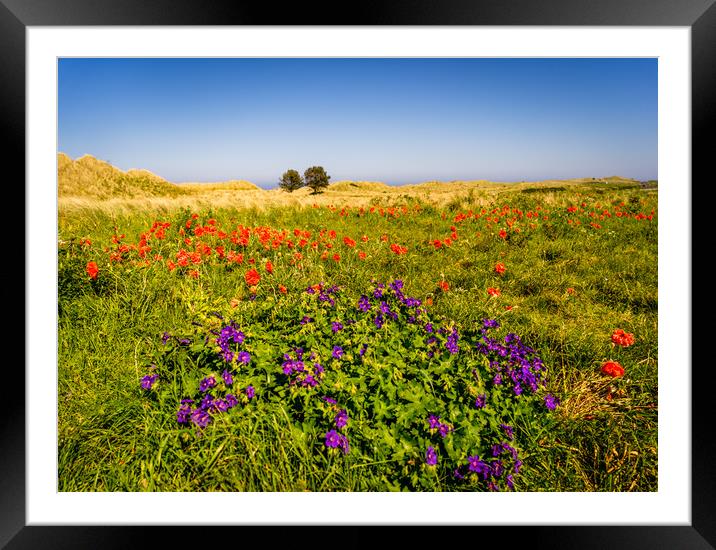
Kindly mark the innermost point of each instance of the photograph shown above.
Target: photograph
(426, 266)
(357, 274)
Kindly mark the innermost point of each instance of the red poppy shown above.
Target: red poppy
(361, 255)
(613, 369)
(282, 289)
(92, 270)
(503, 234)
(398, 249)
(269, 266)
(500, 268)
(252, 277)
(349, 242)
(444, 285)
(493, 291)
(622, 338)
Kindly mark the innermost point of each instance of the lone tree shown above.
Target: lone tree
(316, 178)
(290, 181)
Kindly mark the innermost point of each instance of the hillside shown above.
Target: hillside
(88, 182)
(88, 177)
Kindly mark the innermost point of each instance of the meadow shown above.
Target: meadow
(460, 336)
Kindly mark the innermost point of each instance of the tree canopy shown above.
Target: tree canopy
(290, 181)
(316, 178)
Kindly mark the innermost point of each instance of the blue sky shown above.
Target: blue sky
(397, 120)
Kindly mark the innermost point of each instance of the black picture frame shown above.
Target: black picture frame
(699, 15)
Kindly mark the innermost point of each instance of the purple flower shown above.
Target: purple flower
(451, 343)
(184, 412)
(496, 468)
(363, 349)
(508, 431)
(165, 337)
(250, 392)
(200, 417)
(148, 381)
(379, 320)
(396, 285)
(343, 444)
(184, 341)
(550, 401)
(329, 400)
(206, 383)
(428, 327)
(228, 379)
(480, 401)
(336, 326)
(231, 400)
(434, 421)
(341, 419)
(510, 481)
(337, 352)
(306, 319)
(364, 303)
(431, 458)
(444, 429)
(207, 402)
(333, 439)
(244, 357)
(478, 466)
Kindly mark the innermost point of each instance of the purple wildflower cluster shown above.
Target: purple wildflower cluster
(451, 337)
(325, 294)
(451, 343)
(228, 335)
(333, 438)
(441, 428)
(301, 370)
(492, 470)
(431, 457)
(209, 406)
(513, 363)
(390, 303)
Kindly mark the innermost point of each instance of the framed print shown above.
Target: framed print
(71, 479)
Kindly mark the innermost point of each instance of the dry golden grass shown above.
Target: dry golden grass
(91, 184)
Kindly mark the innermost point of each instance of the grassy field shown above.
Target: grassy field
(322, 379)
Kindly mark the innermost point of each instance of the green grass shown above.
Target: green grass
(113, 436)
